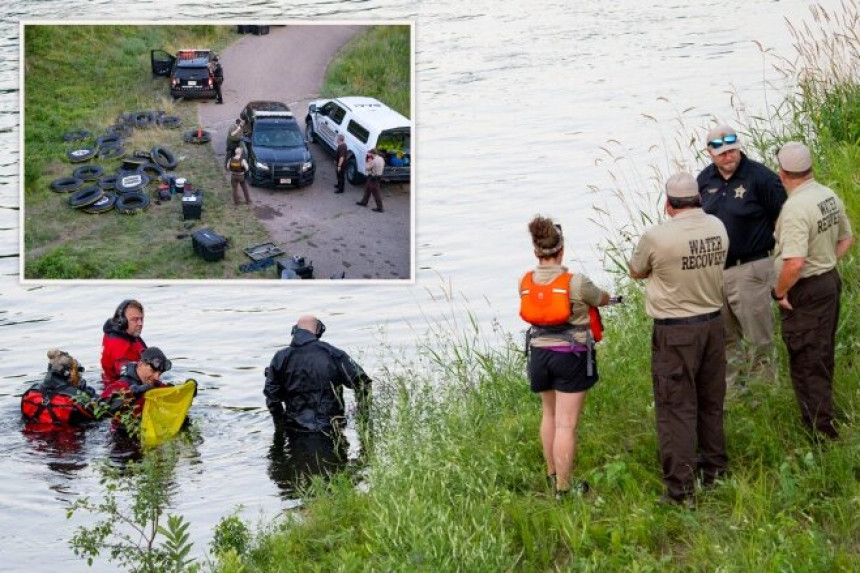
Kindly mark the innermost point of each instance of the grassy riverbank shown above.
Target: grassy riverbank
(456, 476)
(83, 77)
(372, 64)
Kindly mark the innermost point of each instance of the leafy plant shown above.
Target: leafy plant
(231, 534)
(131, 531)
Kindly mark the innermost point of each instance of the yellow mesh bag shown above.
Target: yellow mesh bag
(164, 411)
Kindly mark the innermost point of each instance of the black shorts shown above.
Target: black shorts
(562, 371)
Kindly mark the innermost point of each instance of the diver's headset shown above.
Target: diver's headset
(319, 332)
(119, 318)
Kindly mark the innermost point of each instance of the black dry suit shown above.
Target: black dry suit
(56, 401)
(304, 384)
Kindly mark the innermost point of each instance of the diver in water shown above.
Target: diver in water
(63, 398)
(121, 342)
(305, 381)
(138, 377)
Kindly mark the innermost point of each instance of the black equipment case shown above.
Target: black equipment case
(192, 205)
(209, 244)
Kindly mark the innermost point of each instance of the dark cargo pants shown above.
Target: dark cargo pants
(688, 371)
(809, 333)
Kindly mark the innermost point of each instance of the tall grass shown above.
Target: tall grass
(455, 478)
(376, 63)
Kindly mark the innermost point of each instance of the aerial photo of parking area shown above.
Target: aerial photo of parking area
(177, 152)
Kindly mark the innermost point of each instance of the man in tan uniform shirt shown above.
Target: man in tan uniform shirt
(812, 233)
(682, 260)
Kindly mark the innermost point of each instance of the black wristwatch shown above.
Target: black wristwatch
(773, 295)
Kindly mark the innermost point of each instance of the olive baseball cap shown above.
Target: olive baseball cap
(716, 143)
(794, 157)
(682, 185)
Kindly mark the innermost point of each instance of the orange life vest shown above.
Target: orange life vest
(549, 304)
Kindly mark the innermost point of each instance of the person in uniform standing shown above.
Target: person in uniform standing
(747, 197)
(238, 168)
(682, 260)
(234, 138)
(218, 77)
(340, 163)
(374, 166)
(562, 365)
(812, 232)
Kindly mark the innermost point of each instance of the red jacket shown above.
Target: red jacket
(118, 348)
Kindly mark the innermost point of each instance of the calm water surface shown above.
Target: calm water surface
(512, 109)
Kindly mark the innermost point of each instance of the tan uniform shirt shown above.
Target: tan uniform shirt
(685, 258)
(811, 222)
(583, 294)
(375, 166)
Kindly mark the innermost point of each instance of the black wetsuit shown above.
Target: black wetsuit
(304, 384)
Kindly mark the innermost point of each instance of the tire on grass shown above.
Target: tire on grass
(170, 121)
(192, 137)
(107, 182)
(111, 152)
(103, 205)
(131, 183)
(131, 203)
(106, 140)
(86, 196)
(144, 119)
(120, 129)
(88, 172)
(154, 170)
(163, 157)
(66, 184)
(81, 154)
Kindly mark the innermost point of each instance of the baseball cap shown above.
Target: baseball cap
(156, 358)
(794, 157)
(716, 135)
(681, 185)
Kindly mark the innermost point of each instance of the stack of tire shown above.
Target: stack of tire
(92, 190)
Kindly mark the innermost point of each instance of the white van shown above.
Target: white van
(365, 123)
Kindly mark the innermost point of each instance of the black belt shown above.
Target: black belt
(746, 259)
(687, 319)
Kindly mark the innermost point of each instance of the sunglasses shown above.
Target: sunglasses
(160, 365)
(724, 140)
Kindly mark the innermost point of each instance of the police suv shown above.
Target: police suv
(365, 123)
(190, 72)
(275, 147)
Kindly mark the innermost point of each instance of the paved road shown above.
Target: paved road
(328, 229)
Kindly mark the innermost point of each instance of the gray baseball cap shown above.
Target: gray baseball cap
(682, 185)
(794, 157)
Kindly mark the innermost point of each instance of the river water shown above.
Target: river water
(518, 109)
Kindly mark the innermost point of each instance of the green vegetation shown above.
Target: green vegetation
(83, 77)
(455, 480)
(133, 534)
(373, 64)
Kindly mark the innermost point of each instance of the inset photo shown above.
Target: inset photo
(217, 152)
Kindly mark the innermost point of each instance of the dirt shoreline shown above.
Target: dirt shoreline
(328, 229)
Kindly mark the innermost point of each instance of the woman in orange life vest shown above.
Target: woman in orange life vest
(560, 306)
